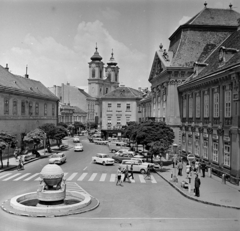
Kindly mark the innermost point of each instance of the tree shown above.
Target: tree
(60, 133)
(71, 129)
(6, 140)
(62, 124)
(78, 125)
(49, 129)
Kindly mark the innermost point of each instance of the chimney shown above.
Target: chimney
(230, 6)
(7, 67)
(26, 75)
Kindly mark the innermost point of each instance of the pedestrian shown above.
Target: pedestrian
(131, 171)
(203, 167)
(119, 177)
(148, 173)
(197, 184)
(21, 163)
(126, 176)
(180, 167)
(188, 169)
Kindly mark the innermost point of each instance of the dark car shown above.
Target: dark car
(162, 161)
(124, 156)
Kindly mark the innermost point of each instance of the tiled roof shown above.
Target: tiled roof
(24, 85)
(146, 97)
(232, 42)
(124, 92)
(85, 93)
(215, 17)
(79, 110)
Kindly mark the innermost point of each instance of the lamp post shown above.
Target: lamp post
(175, 146)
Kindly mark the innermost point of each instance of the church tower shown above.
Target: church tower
(112, 73)
(96, 70)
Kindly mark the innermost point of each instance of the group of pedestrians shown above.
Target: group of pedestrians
(127, 174)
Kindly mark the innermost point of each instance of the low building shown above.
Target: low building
(25, 104)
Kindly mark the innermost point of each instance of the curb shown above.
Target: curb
(195, 199)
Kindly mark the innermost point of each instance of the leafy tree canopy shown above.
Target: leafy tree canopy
(49, 129)
(62, 124)
(78, 125)
(60, 133)
(130, 130)
(7, 140)
(34, 136)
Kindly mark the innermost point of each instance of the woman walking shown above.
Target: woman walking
(148, 174)
(119, 177)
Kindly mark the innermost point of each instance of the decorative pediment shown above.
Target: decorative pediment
(157, 67)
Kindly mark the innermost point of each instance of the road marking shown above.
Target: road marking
(152, 218)
(72, 176)
(112, 178)
(92, 177)
(132, 180)
(5, 175)
(29, 178)
(141, 179)
(103, 177)
(11, 177)
(65, 173)
(153, 180)
(21, 176)
(84, 168)
(82, 176)
(38, 179)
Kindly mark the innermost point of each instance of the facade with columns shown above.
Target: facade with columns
(210, 109)
(102, 80)
(192, 42)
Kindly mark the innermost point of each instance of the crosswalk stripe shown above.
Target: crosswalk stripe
(132, 180)
(5, 175)
(92, 177)
(153, 179)
(29, 178)
(21, 176)
(72, 176)
(103, 177)
(65, 173)
(10, 177)
(82, 176)
(112, 178)
(38, 179)
(141, 179)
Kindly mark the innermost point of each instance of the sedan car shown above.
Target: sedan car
(125, 156)
(57, 158)
(76, 139)
(29, 156)
(78, 147)
(103, 159)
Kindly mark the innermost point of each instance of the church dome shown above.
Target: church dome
(96, 56)
(112, 62)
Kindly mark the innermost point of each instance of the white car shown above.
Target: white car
(57, 158)
(138, 165)
(102, 159)
(121, 151)
(76, 139)
(78, 147)
(141, 160)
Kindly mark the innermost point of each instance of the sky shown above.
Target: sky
(55, 39)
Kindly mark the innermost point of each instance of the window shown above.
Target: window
(198, 111)
(215, 152)
(226, 157)
(128, 119)
(37, 109)
(45, 109)
(30, 108)
(216, 105)
(154, 103)
(93, 72)
(190, 107)
(197, 148)
(53, 110)
(14, 107)
(128, 107)
(23, 109)
(189, 144)
(183, 142)
(118, 121)
(205, 149)
(106, 90)
(206, 106)
(118, 105)
(109, 108)
(109, 121)
(227, 104)
(6, 107)
(184, 108)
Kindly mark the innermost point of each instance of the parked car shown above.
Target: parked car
(154, 166)
(138, 166)
(114, 146)
(162, 161)
(122, 151)
(102, 159)
(100, 141)
(78, 147)
(29, 156)
(124, 156)
(57, 158)
(76, 139)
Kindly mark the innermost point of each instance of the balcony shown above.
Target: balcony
(216, 120)
(206, 121)
(227, 121)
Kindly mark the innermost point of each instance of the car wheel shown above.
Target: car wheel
(142, 171)
(104, 163)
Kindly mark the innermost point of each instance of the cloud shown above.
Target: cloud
(110, 14)
(53, 63)
(183, 20)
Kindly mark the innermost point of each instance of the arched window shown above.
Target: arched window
(14, 107)
(6, 106)
(45, 109)
(93, 73)
(36, 109)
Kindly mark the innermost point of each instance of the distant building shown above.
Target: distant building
(145, 106)
(25, 104)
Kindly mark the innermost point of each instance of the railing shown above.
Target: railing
(228, 121)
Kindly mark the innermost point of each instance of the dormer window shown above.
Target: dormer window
(225, 54)
(197, 67)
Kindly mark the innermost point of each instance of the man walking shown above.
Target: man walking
(180, 167)
(131, 171)
(197, 186)
(119, 176)
(126, 176)
(203, 167)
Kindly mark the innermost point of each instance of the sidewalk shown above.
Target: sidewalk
(212, 190)
(13, 163)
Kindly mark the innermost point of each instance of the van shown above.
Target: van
(116, 146)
